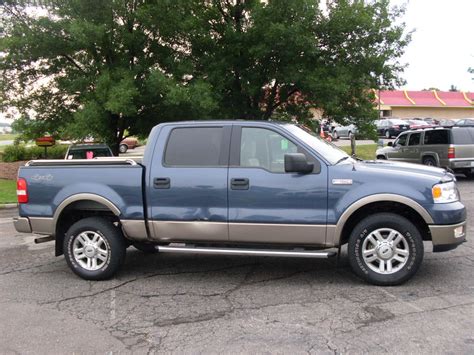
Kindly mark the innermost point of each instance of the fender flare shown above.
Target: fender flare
(83, 197)
(337, 230)
(432, 155)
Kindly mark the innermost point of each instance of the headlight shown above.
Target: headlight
(444, 193)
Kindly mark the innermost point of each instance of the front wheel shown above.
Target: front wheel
(388, 135)
(385, 249)
(94, 248)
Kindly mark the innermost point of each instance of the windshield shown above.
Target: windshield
(327, 150)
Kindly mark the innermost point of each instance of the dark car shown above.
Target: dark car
(88, 151)
(392, 127)
(468, 122)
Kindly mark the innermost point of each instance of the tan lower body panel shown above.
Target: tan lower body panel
(304, 234)
(42, 225)
(278, 233)
(189, 231)
(134, 229)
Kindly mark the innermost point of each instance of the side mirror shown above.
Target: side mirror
(390, 144)
(297, 163)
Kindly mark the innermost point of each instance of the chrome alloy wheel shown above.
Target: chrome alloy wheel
(90, 250)
(385, 251)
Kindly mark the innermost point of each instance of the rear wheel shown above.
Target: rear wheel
(430, 161)
(381, 157)
(94, 248)
(387, 134)
(385, 249)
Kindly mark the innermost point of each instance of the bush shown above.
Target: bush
(21, 152)
(14, 153)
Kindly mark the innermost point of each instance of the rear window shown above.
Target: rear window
(196, 146)
(85, 153)
(463, 135)
(437, 136)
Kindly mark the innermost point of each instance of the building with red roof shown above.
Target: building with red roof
(426, 103)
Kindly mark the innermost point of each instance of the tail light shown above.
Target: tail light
(451, 153)
(21, 190)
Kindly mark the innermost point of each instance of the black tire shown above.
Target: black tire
(146, 248)
(410, 236)
(430, 161)
(387, 134)
(381, 157)
(112, 240)
(123, 148)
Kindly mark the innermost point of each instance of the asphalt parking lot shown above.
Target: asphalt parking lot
(197, 304)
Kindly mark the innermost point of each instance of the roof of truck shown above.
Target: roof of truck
(197, 122)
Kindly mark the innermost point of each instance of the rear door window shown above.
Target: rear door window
(195, 146)
(414, 139)
(436, 136)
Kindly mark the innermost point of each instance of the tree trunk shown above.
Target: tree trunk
(116, 134)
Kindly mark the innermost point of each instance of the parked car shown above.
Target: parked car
(392, 127)
(415, 124)
(241, 188)
(466, 122)
(128, 143)
(88, 151)
(344, 131)
(451, 148)
(431, 121)
(446, 123)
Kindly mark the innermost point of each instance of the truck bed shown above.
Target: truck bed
(50, 182)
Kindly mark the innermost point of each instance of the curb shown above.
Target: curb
(5, 206)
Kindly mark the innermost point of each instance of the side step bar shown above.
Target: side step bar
(294, 253)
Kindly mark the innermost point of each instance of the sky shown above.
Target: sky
(442, 46)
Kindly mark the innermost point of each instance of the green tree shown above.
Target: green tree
(96, 68)
(280, 58)
(108, 68)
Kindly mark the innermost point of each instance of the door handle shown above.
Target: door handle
(239, 184)
(161, 183)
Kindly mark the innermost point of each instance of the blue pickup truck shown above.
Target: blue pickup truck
(241, 188)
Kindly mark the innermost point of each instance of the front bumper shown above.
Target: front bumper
(448, 237)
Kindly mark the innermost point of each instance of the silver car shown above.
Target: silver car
(344, 131)
(451, 148)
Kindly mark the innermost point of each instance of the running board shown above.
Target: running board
(295, 253)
